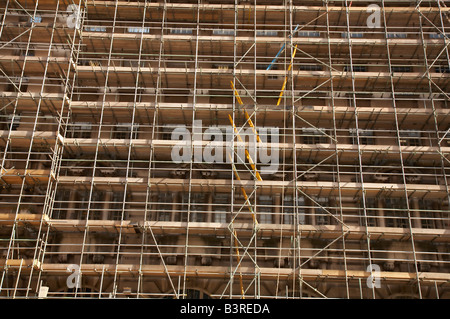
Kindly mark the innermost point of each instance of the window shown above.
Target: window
(122, 131)
(223, 66)
(95, 29)
(271, 66)
(371, 212)
(164, 209)
(197, 209)
(442, 69)
(396, 212)
(396, 35)
(138, 30)
(181, 31)
(409, 138)
(96, 205)
(313, 135)
(310, 67)
(436, 36)
(223, 32)
(266, 33)
(352, 35)
(36, 19)
(291, 208)
(199, 205)
(365, 137)
(196, 294)
(221, 207)
(115, 206)
(220, 216)
(401, 69)
(95, 63)
(321, 208)
(61, 204)
(264, 211)
(356, 68)
(309, 34)
(82, 205)
(135, 64)
(16, 80)
(426, 219)
(12, 122)
(428, 215)
(80, 130)
(30, 52)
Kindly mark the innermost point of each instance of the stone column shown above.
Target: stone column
(71, 213)
(105, 208)
(437, 215)
(311, 211)
(175, 197)
(415, 214)
(381, 219)
(209, 209)
(277, 209)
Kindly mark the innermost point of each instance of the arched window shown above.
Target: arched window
(196, 294)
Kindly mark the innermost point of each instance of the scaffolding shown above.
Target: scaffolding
(224, 149)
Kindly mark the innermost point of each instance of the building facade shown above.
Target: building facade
(224, 149)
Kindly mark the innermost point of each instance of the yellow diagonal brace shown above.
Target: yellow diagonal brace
(244, 193)
(252, 126)
(285, 79)
(247, 154)
(236, 93)
(245, 112)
